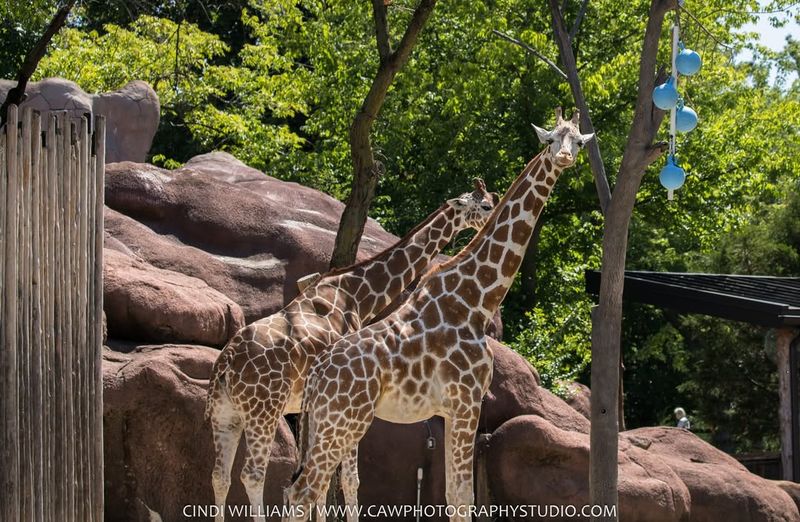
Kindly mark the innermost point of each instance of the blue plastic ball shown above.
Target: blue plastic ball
(665, 96)
(685, 119)
(688, 62)
(672, 176)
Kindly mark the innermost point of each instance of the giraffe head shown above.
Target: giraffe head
(565, 140)
(474, 207)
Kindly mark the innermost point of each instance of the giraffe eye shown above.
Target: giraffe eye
(550, 140)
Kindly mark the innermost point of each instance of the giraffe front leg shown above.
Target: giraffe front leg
(350, 483)
(460, 444)
(259, 433)
(226, 426)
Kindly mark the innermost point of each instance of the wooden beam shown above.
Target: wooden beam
(784, 341)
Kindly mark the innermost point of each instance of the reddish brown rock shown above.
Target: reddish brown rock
(516, 390)
(721, 488)
(530, 461)
(248, 235)
(579, 396)
(146, 303)
(157, 444)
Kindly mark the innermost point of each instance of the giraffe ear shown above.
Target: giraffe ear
(495, 198)
(544, 135)
(586, 137)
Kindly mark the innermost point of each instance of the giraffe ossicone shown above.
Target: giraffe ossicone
(259, 375)
(429, 357)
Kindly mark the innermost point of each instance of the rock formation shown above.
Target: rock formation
(132, 112)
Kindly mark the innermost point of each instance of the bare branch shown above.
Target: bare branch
(653, 152)
(17, 94)
(593, 148)
(578, 19)
(532, 51)
(365, 169)
(381, 30)
(646, 119)
(418, 20)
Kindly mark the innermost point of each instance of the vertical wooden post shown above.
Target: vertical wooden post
(97, 356)
(784, 340)
(51, 230)
(25, 300)
(36, 349)
(9, 444)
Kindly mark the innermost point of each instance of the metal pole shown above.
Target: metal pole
(676, 30)
(419, 493)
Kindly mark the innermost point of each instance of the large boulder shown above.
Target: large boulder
(515, 390)
(579, 396)
(132, 112)
(532, 462)
(721, 488)
(142, 302)
(246, 234)
(157, 443)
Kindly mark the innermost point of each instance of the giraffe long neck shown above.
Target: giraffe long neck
(483, 272)
(377, 282)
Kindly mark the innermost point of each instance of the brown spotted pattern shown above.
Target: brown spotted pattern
(259, 375)
(429, 357)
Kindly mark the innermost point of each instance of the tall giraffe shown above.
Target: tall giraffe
(430, 356)
(259, 375)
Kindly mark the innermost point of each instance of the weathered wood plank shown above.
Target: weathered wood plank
(9, 449)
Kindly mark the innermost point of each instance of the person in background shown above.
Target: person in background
(683, 420)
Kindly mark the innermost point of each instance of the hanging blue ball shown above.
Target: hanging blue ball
(665, 96)
(688, 62)
(672, 176)
(685, 119)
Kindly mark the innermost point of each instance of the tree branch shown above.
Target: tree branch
(578, 19)
(646, 118)
(381, 30)
(568, 59)
(17, 94)
(653, 152)
(532, 51)
(366, 170)
(418, 20)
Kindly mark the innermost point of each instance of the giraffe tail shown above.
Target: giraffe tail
(302, 426)
(216, 382)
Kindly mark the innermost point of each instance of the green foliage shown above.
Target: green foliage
(557, 342)
(21, 25)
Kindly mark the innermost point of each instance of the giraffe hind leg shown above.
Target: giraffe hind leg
(350, 483)
(226, 425)
(259, 434)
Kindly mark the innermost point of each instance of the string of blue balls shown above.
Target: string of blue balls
(666, 97)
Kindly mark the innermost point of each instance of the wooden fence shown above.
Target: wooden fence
(51, 237)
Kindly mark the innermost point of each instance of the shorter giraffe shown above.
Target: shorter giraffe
(430, 356)
(259, 375)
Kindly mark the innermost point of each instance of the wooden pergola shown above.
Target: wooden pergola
(768, 301)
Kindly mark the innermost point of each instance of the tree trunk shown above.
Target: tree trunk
(639, 153)
(17, 94)
(367, 171)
